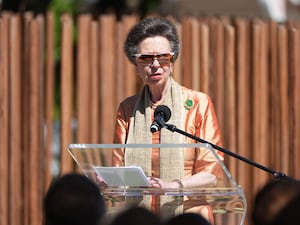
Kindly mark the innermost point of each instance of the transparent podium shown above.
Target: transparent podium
(222, 202)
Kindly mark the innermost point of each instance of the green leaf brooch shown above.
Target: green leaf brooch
(188, 104)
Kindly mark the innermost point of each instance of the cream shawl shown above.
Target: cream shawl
(171, 160)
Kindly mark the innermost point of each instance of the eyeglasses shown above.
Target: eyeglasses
(162, 58)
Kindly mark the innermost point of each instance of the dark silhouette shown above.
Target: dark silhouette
(272, 198)
(187, 219)
(136, 216)
(73, 199)
(37, 6)
(122, 7)
(289, 214)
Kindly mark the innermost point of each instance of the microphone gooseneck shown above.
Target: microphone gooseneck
(161, 115)
(166, 111)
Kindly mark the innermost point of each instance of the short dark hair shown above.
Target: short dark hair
(136, 215)
(271, 198)
(73, 199)
(187, 218)
(151, 27)
(289, 214)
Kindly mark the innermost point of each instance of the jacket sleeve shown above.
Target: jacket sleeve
(120, 135)
(207, 128)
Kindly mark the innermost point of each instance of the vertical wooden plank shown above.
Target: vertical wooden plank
(294, 41)
(195, 54)
(283, 85)
(95, 99)
(26, 55)
(83, 85)
(36, 122)
(261, 104)
(4, 118)
(186, 77)
(273, 94)
(107, 36)
(265, 124)
(40, 19)
(66, 91)
(49, 97)
(15, 152)
(217, 68)
(121, 73)
(244, 143)
(230, 91)
(274, 112)
(178, 65)
(204, 57)
(126, 78)
(297, 104)
(230, 112)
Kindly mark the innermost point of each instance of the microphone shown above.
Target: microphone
(161, 115)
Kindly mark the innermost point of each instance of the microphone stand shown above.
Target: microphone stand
(276, 174)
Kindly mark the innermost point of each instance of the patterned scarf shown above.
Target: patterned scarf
(171, 160)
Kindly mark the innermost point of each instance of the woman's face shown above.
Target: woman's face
(154, 61)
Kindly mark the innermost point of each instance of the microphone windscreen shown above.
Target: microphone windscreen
(163, 110)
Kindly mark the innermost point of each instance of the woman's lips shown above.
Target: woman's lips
(155, 76)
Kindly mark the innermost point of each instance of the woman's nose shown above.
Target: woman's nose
(155, 63)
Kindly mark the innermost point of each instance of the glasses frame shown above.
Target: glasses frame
(154, 56)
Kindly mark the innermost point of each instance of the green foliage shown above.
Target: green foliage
(152, 5)
(64, 5)
(59, 7)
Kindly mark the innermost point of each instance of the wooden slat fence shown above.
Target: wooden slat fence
(248, 66)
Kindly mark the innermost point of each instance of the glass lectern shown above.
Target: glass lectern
(224, 200)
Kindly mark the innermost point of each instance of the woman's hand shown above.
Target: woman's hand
(201, 179)
(158, 183)
(101, 182)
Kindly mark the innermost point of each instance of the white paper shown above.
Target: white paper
(132, 176)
